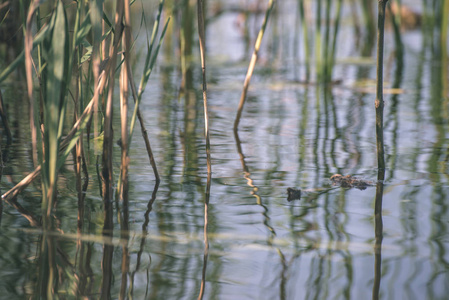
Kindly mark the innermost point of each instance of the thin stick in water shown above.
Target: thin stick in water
(379, 102)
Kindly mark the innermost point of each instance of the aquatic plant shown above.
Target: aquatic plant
(75, 65)
(379, 102)
(252, 64)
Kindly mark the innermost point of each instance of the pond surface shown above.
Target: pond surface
(257, 244)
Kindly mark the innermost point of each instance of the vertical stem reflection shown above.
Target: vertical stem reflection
(206, 240)
(378, 238)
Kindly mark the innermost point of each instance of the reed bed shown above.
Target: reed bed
(76, 60)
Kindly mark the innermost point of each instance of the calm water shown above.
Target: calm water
(260, 246)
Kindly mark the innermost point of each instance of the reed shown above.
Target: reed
(379, 102)
(28, 71)
(202, 40)
(252, 64)
(63, 62)
(324, 38)
(202, 37)
(150, 61)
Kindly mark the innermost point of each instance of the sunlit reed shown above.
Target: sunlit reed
(202, 39)
(252, 64)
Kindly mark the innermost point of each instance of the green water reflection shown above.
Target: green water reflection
(389, 241)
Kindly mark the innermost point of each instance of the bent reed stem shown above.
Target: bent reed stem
(252, 64)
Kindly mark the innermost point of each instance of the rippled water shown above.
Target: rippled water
(258, 245)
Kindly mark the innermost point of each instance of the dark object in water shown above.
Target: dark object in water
(293, 194)
(350, 182)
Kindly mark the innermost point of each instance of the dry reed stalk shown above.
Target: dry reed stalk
(123, 186)
(69, 141)
(124, 93)
(29, 76)
(203, 68)
(252, 64)
(106, 171)
(107, 131)
(201, 33)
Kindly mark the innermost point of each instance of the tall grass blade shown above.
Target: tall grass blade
(55, 51)
(19, 59)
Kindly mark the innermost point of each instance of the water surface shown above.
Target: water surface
(259, 245)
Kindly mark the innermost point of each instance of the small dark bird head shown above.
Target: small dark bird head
(293, 194)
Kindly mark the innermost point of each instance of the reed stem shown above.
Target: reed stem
(29, 78)
(252, 64)
(203, 68)
(379, 102)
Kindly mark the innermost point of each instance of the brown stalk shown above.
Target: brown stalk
(107, 172)
(108, 134)
(206, 125)
(123, 187)
(28, 70)
(252, 64)
(203, 68)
